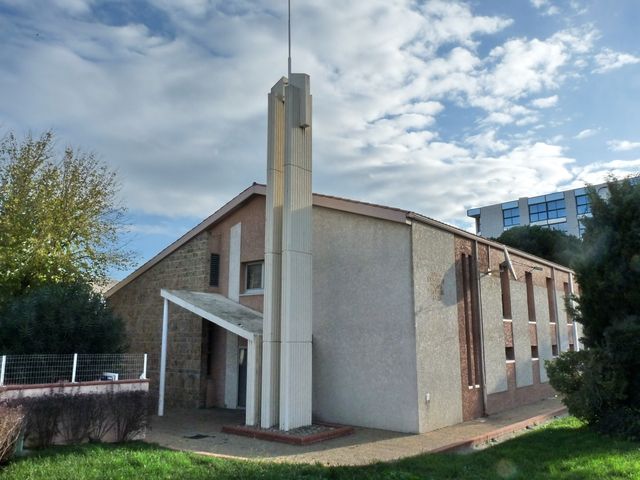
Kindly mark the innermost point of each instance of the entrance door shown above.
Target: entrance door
(242, 377)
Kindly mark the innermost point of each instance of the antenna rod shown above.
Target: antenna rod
(289, 59)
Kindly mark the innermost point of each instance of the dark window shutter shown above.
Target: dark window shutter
(214, 272)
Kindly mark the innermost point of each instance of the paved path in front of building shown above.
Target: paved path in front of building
(363, 447)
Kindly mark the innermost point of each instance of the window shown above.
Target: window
(538, 212)
(551, 297)
(556, 209)
(547, 207)
(531, 303)
(534, 352)
(583, 204)
(562, 227)
(506, 292)
(511, 217)
(253, 275)
(510, 354)
(214, 270)
(581, 228)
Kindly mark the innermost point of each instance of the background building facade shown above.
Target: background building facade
(559, 211)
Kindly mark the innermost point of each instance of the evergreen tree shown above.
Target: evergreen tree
(60, 318)
(553, 245)
(602, 383)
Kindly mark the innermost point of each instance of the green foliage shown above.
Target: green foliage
(602, 384)
(60, 318)
(564, 449)
(553, 245)
(59, 218)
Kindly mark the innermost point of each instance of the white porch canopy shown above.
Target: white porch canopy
(231, 316)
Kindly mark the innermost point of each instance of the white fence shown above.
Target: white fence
(71, 368)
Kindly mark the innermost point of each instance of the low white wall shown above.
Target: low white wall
(13, 392)
(17, 392)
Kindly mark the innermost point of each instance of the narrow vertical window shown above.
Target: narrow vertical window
(214, 270)
(506, 293)
(553, 313)
(531, 304)
(567, 295)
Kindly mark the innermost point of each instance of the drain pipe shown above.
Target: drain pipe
(481, 324)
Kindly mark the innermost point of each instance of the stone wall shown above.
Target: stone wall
(140, 304)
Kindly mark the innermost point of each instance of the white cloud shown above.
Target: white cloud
(586, 133)
(622, 145)
(545, 102)
(180, 110)
(608, 60)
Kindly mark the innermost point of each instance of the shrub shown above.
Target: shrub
(129, 411)
(43, 416)
(11, 422)
(60, 318)
(82, 417)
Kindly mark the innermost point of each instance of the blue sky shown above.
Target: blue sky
(432, 106)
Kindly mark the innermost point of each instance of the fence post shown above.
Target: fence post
(2, 367)
(144, 368)
(75, 366)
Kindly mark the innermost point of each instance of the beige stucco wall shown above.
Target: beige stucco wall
(543, 329)
(521, 339)
(436, 320)
(493, 334)
(364, 368)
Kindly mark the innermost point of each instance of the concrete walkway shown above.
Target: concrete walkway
(364, 447)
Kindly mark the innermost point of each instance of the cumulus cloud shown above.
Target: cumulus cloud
(545, 102)
(608, 60)
(622, 145)
(586, 133)
(173, 95)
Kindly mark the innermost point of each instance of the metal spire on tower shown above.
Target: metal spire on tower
(289, 29)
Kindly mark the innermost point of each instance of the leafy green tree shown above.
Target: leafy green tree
(59, 217)
(60, 318)
(602, 384)
(554, 245)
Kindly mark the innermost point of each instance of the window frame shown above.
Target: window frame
(508, 217)
(247, 266)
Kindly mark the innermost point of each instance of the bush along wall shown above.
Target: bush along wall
(11, 423)
(71, 419)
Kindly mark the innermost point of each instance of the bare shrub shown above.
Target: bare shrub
(130, 414)
(11, 421)
(42, 419)
(100, 418)
(75, 417)
(81, 417)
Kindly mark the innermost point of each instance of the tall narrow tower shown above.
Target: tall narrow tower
(286, 378)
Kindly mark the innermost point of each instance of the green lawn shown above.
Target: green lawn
(563, 449)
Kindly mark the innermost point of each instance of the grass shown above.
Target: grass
(564, 449)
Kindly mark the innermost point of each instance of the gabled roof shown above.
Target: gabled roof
(327, 201)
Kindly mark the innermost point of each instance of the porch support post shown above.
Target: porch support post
(163, 357)
(254, 380)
